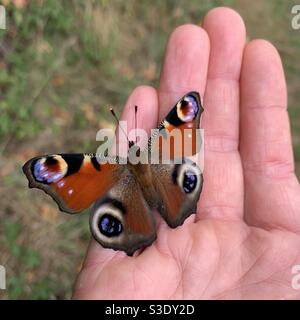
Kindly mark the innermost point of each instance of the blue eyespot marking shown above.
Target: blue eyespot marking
(110, 226)
(189, 108)
(189, 181)
(42, 173)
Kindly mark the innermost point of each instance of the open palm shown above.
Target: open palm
(245, 238)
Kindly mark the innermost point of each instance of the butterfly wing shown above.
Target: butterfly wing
(122, 219)
(177, 135)
(74, 181)
(179, 187)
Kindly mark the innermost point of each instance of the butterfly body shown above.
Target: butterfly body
(125, 195)
(144, 178)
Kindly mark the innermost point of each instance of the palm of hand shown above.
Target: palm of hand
(245, 238)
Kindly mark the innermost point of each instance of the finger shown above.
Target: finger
(185, 66)
(97, 256)
(272, 190)
(222, 195)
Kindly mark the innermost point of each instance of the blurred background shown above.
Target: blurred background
(61, 64)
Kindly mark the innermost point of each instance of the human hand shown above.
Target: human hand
(245, 237)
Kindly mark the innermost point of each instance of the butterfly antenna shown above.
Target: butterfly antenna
(135, 122)
(118, 122)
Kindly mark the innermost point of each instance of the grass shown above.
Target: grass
(61, 64)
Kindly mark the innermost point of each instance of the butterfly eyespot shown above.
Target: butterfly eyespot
(189, 181)
(48, 170)
(110, 226)
(187, 109)
(107, 221)
(188, 177)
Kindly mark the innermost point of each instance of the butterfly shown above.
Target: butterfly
(125, 195)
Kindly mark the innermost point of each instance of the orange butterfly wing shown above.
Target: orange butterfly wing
(177, 135)
(74, 181)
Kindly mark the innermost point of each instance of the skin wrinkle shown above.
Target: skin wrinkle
(278, 225)
(221, 199)
(169, 256)
(182, 267)
(180, 271)
(225, 77)
(241, 289)
(297, 255)
(208, 211)
(269, 106)
(80, 283)
(293, 209)
(179, 283)
(137, 270)
(220, 104)
(175, 293)
(178, 292)
(260, 168)
(140, 269)
(243, 240)
(134, 286)
(90, 265)
(268, 162)
(220, 143)
(272, 262)
(252, 266)
(181, 88)
(285, 198)
(186, 259)
(223, 294)
(236, 285)
(228, 93)
(271, 227)
(263, 281)
(217, 263)
(240, 286)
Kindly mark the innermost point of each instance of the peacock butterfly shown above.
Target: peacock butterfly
(124, 195)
